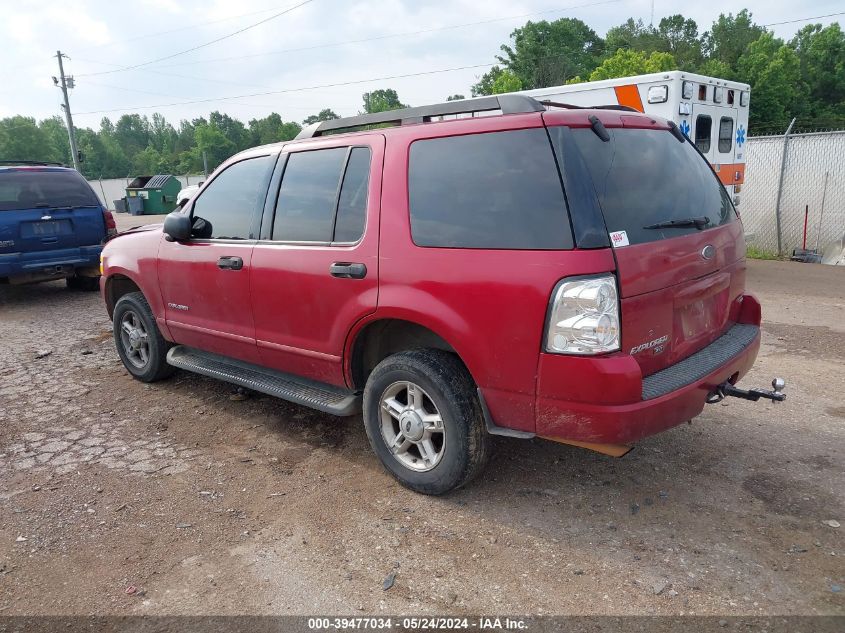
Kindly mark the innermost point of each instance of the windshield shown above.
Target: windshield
(31, 188)
(644, 178)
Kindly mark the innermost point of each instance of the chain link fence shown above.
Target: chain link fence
(811, 176)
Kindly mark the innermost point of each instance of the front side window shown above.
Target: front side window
(703, 131)
(227, 206)
(726, 134)
(497, 190)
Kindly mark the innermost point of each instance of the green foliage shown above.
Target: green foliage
(381, 101)
(323, 115)
(506, 82)
(484, 86)
(730, 36)
(754, 252)
(625, 63)
(549, 53)
(455, 98)
(821, 57)
(773, 71)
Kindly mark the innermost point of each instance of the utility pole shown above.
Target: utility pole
(63, 84)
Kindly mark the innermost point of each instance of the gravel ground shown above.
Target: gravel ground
(123, 498)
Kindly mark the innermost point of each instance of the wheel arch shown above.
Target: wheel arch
(378, 338)
(117, 285)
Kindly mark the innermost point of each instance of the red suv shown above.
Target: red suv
(574, 274)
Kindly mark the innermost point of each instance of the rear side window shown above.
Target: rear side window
(352, 204)
(644, 177)
(703, 132)
(497, 190)
(726, 134)
(306, 203)
(44, 189)
(229, 202)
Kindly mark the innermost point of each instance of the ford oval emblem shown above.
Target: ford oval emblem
(708, 252)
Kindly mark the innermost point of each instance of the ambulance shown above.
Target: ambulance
(712, 112)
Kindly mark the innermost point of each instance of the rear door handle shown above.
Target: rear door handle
(230, 263)
(346, 270)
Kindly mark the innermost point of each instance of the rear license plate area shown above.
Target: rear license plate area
(48, 228)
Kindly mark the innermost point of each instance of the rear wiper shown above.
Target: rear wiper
(698, 223)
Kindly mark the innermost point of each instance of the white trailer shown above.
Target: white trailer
(712, 112)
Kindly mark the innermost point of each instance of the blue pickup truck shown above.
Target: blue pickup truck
(52, 226)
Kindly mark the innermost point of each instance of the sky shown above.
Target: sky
(299, 54)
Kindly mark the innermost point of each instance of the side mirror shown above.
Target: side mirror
(177, 226)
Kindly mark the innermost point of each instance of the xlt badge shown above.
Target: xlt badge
(178, 306)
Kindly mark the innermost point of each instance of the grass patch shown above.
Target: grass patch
(754, 252)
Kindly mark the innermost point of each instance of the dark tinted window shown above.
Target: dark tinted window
(703, 132)
(496, 190)
(306, 204)
(32, 188)
(726, 134)
(229, 202)
(643, 177)
(352, 205)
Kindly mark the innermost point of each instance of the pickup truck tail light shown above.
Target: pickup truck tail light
(111, 225)
(583, 316)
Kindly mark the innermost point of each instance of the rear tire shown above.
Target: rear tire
(139, 342)
(83, 283)
(424, 421)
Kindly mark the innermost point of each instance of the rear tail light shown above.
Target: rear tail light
(111, 225)
(583, 316)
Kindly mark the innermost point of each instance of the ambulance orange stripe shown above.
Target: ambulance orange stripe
(629, 95)
(730, 173)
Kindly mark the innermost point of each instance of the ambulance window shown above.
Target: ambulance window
(703, 129)
(730, 97)
(726, 134)
(702, 92)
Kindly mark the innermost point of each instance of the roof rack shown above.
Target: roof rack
(30, 162)
(508, 104)
(569, 106)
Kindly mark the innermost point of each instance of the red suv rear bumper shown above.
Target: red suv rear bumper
(601, 400)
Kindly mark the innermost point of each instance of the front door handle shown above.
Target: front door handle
(230, 263)
(346, 270)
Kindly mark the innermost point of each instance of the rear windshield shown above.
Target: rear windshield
(44, 189)
(645, 177)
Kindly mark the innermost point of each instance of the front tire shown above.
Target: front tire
(139, 342)
(424, 421)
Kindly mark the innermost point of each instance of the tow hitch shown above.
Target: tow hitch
(727, 389)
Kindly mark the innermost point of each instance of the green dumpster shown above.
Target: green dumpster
(158, 192)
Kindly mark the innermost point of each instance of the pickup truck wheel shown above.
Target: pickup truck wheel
(140, 345)
(424, 421)
(83, 283)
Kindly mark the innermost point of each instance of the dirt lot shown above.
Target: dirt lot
(205, 504)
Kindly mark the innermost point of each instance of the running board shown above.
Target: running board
(309, 393)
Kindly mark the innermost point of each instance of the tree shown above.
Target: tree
(821, 56)
(506, 82)
(679, 36)
(381, 101)
(484, 86)
(773, 71)
(730, 36)
(326, 114)
(234, 131)
(549, 53)
(211, 140)
(455, 97)
(626, 63)
(271, 129)
(22, 139)
(132, 132)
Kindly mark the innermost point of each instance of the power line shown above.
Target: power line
(289, 90)
(395, 35)
(147, 36)
(817, 17)
(203, 45)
